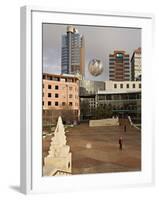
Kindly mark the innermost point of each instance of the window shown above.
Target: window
(63, 80)
(49, 94)
(43, 94)
(121, 85)
(101, 97)
(49, 86)
(127, 85)
(56, 87)
(139, 85)
(56, 95)
(70, 103)
(119, 57)
(43, 103)
(49, 103)
(115, 85)
(56, 103)
(133, 85)
(43, 86)
(54, 78)
(69, 80)
(70, 88)
(111, 59)
(63, 103)
(70, 95)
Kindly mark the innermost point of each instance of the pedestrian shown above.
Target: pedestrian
(121, 143)
(124, 128)
(119, 122)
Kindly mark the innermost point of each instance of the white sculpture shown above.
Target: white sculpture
(59, 157)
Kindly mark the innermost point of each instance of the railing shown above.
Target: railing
(132, 124)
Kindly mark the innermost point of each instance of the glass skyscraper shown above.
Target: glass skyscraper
(72, 52)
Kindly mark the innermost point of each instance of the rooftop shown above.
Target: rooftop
(62, 75)
(118, 91)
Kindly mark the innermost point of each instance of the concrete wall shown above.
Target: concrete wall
(104, 122)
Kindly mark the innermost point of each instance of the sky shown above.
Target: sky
(99, 43)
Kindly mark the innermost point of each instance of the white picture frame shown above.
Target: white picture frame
(31, 98)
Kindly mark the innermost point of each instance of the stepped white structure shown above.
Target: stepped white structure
(59, 158)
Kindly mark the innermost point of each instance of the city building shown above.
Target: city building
(88, 90)
(123, 103)
(123, 98)
(61, 92)
(136, 65)
(119, 69)
(72, 60)
(89, 87)
(118, 86)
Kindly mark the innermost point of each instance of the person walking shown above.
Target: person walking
(121, 143)
(124, 128)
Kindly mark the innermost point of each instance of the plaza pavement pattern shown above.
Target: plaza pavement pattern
(96, 149)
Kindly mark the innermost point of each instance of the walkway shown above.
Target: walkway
(96, 149)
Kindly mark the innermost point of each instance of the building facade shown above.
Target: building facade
(136, 65)
(118, 86)
(88, 90)
(119, 69)
(121, 98)
(123, 103)
(72, 60)
(89, 87)
(60, 93)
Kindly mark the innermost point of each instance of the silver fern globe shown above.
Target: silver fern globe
(95, 67)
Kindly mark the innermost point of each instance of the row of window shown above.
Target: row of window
(56, 103)
(120, 97)
(51, 78)
(127, 85)
(116, 76)
(114, 59)
(56, 87)
(56, 95)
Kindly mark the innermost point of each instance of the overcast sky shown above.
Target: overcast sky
(99, 43)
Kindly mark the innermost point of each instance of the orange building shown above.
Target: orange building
(61, 92)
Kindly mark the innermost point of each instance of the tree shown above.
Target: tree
(103, 111)
(84, 108)
(68, 115)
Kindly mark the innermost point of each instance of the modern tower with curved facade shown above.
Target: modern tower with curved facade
(119, 69)
(72, 59)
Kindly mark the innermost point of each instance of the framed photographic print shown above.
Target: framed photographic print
(86, 100)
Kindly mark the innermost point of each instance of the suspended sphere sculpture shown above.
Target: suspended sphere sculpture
(95, 67)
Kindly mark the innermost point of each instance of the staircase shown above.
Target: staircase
(61, 173)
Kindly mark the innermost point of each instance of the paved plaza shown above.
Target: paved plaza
(96, 149)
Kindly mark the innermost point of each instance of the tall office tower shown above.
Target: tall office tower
(136, 65)
(119, 66)
(72, 52)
